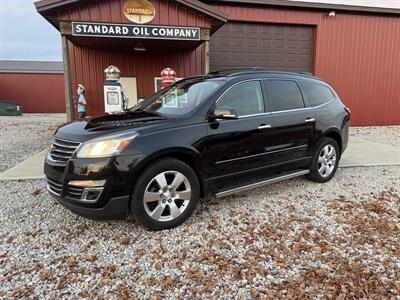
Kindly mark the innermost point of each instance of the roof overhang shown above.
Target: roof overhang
(49, 9)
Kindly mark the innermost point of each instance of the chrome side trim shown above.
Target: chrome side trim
(260, 154)
(255, 115)
(304, 108)
(290, 110)
(264, 126)
(261, 183)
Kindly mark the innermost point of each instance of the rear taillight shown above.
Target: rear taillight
(348, 110)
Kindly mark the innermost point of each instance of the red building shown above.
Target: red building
(37, 86)
(355, 49)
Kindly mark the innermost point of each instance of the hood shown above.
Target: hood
(90, 128)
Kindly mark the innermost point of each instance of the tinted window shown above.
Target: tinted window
(284, 95)
(246, 98)
(317, 94)
(180, 98)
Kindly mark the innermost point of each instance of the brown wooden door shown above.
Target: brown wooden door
(275, 47)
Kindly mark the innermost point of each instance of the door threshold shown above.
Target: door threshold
(262, 182)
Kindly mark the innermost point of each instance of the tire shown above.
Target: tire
(324, 164)
(159, 201)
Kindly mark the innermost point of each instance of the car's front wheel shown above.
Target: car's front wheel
(165, 195)
(325, 161)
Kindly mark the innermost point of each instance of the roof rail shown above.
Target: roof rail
(244, 69)
(306, 73)
(250, 70)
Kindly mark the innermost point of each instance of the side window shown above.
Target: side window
(245, 98)
(284, 95)
(317, 94)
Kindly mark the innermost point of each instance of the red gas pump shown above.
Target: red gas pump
(168, 77)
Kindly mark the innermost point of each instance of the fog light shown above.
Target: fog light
(91, 195)
(88, 183)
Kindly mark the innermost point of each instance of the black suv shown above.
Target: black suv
(216, 134)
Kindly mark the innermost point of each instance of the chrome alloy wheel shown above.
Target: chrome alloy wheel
(167, 196)
(327, 161)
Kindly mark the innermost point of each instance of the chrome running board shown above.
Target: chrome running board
(261, 183)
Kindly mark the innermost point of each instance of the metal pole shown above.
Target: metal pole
(69, 103)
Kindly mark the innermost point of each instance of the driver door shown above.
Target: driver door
(235, 146)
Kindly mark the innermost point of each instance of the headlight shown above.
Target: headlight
(106, 146)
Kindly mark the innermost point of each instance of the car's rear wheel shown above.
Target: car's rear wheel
(165, 195)
(325, 161)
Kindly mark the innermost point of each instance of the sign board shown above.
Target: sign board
(139, 11)
(135, 31)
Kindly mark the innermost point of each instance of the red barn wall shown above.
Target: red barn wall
(358, 54)
(37, 93)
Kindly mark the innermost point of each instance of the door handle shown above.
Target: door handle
(309, 120)
(263, 126)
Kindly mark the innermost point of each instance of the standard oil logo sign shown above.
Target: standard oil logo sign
(135, 31)
(139, 11)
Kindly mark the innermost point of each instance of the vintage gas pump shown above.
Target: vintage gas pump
(114, 99)
(168, 77)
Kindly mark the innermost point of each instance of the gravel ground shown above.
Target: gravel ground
(389, 135)
(20, 137)
(295, 239)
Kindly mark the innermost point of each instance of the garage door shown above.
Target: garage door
(276, 47)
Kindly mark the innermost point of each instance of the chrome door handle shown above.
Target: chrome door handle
(264, 126)
(310, 120)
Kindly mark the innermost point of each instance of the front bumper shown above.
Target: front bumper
(116, 208)
(113, 199)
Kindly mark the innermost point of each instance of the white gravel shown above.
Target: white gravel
(389, 135)
(20, 137)
(295, 239)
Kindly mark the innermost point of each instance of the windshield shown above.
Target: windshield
(180, 98)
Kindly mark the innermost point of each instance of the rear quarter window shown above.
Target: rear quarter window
(284, 95)
(317, 94)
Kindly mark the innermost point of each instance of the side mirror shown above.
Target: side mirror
(225, 113)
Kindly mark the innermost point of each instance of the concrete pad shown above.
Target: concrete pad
(364, 153)
(32, 168)
(359, 153)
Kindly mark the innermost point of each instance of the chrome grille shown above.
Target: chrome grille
(74, 192)
(63, 150)
(54, 186)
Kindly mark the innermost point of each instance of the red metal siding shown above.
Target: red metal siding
(357, 54)
(167, 13)
(87, 67)
(37, 93)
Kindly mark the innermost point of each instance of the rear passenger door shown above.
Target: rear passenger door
(293, 123)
